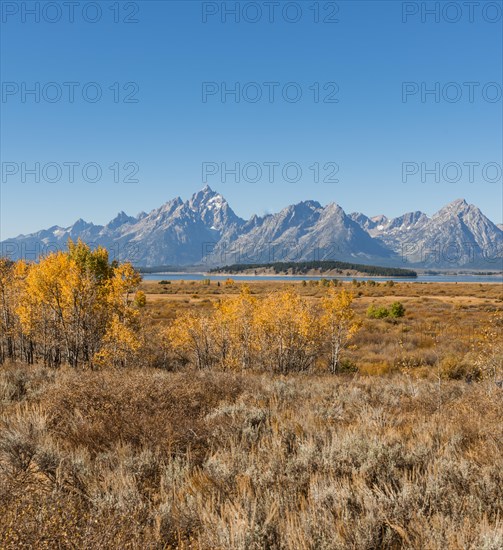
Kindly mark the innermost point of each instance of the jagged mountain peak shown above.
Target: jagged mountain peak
(121, 219)
(458, 203)
(302, 207)
(458, 234)
(171, 204)
(181, 232)
(213, 209)
(204, 192)
(380, 219)
(295, 215)
(334, 206)
(81, 224)
(362, 220)
(206, 197)
(456, 207)
(314, 205)
(407, 220)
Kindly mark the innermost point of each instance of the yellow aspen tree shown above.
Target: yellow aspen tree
(7, 313)
(123, 337)
(73, 299)
(287, 333)
(38, 334)
(121, 342)
(44, 308)
(339, 323)
(122, 286)
(244, 333)
(191, 338)
(234, 329)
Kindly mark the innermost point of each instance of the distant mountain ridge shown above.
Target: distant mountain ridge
(205, 231)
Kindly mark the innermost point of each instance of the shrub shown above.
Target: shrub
(140, 299)
(397, 309)
(346, 366)
(380, 312)
(456, 368)
(161, 411)
(375, 369)
(144, 459)
(377, 312)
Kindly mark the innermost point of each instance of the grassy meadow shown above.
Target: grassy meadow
(443, 328)
(402, 448)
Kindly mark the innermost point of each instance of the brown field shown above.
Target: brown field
(443, 321)
(401, 450)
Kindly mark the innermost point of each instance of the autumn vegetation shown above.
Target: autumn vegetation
(280, 333)
(197, 415)
(72, 307)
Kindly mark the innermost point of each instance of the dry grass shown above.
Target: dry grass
(146, 458)
(444, 322)
(156, 459)
(183, 290)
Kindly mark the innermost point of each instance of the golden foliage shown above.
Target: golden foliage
(283, 332)
(489, 358)
(339, 321)
(71, 306)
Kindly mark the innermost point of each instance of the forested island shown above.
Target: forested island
(317, 267)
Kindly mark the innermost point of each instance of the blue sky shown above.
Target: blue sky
(166, 57)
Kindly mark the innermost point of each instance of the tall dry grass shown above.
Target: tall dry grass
(441, 334)
(211, 460)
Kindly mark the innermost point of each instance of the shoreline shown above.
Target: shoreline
(317, 275)
(264, 277)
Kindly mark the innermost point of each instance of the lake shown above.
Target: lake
(418, 279)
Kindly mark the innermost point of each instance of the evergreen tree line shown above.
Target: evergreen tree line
(301, 268)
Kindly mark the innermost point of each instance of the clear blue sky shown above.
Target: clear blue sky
(170, 131)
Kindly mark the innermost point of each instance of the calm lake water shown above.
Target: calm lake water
(419, 279)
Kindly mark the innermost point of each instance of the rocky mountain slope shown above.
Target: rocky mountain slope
(204, 230)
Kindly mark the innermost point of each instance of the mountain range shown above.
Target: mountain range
(205, 231)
